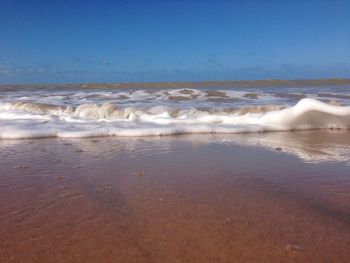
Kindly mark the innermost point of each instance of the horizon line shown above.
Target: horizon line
(263, 82)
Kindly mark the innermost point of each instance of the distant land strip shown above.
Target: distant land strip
(198, 84)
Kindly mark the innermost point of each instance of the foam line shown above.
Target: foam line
(30, 120)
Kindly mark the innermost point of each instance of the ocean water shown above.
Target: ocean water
(77, 112)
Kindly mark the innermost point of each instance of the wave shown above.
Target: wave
(37, 120)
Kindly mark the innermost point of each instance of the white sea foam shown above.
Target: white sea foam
(47, 118)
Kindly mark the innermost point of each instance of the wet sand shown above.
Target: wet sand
(202, 198)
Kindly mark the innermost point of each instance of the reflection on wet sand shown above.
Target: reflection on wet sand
(176, 199)
(313, 146)
(309, 146)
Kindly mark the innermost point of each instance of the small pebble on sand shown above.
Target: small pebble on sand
(294, 247)
(139, 174)
(278, 149)
(20, 167)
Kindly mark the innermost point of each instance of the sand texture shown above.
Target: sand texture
(172, 199)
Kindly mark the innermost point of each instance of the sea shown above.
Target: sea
(77, 111)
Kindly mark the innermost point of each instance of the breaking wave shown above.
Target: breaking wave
(28, 119)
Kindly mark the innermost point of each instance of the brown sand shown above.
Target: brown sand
(170, 199)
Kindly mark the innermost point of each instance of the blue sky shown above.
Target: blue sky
(124, 41)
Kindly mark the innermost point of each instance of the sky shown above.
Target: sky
(150, 41)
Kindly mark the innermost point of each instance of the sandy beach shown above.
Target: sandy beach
(201, 198)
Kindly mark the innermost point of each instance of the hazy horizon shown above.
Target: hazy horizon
(164, 84)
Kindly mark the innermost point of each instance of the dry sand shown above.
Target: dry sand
(169, 199)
